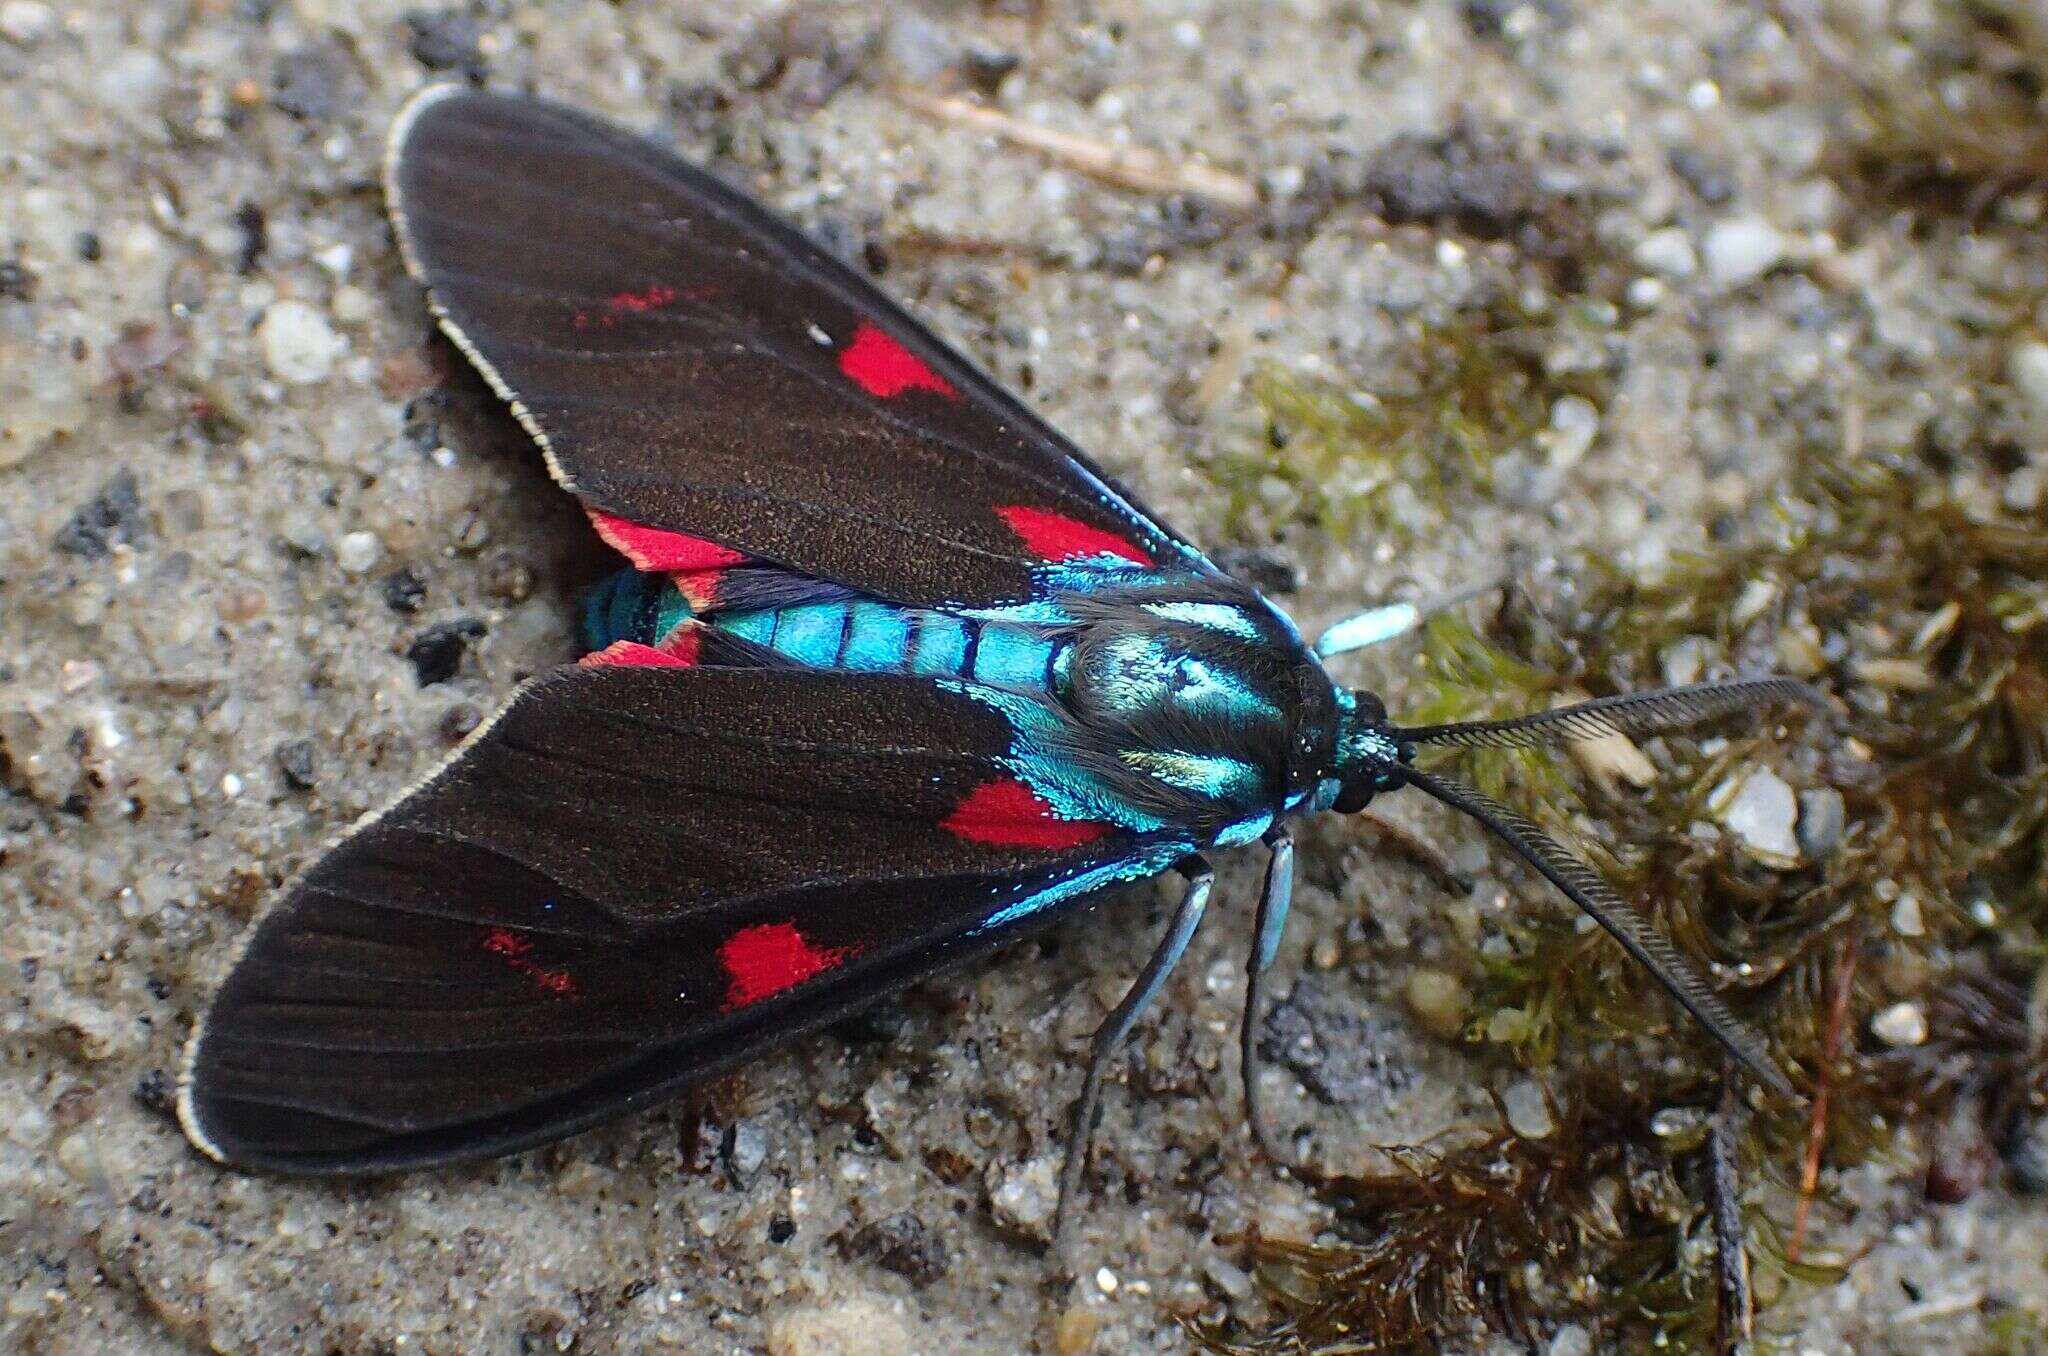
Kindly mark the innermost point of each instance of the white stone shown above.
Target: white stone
(1901, 1026)
(1906, 919)
(1763, 814)
(356, 552)
(351, 304)
(25, 22)
(1528, 1109)
(1742, 249)
(1668, 252)
(1645, 294)
(133, 80)
(1574, 424)
(2027, 367)
(299, 345)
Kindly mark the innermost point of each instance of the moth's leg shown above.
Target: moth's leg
(1274, 900)
(1179, 932)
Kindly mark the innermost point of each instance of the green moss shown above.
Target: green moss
(1964, 104)
(1927, 617)
(1389, 460)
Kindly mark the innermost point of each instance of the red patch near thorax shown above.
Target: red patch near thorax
(517, 952)
(1055, 536)
(658, 551)
(1007, 813)
(679, 651)
(766, 959)
(880, 365)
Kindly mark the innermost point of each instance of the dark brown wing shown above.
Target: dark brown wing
(634, 877)
(692, 364)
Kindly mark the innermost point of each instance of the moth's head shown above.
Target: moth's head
(1369, 752)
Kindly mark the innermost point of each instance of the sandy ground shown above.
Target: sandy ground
(221, 534)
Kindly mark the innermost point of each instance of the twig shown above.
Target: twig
(1817, 1131)
(1133, 167)
(1736, 1322)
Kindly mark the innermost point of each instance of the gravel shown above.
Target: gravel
(1424, 162)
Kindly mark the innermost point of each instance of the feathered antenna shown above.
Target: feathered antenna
(1637, 935)
(1633, 714)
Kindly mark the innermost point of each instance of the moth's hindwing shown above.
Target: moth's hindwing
(642, 872)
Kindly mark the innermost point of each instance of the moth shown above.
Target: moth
(895, 675)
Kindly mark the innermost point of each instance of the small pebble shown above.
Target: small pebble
(1574, 424)
(295, 764)
(1901, 1026)
(459, 721)
(404, 590)
(446, 40)
(1021, 1196)
(1439, 1001)
(25, 22)
(1668, 252)
(1742, 249)
(904, 1244)
(1960, 1159)
(2027, 368)
(744, 1151)
(436, 653)
(356, 552)
(299, 346)
(1528, 1109)
(860, 1325)
(1761, 813)
(1228, 1278)
(1570, 1340)
(1683, 1128)
(310, 83)
(1823, 819)
(918, 51)
(1074, 1332)
(133, 81)
(1906, 920)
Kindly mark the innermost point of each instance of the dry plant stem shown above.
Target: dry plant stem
(1132, 167)
(1817, 1132)
(1737, 1309)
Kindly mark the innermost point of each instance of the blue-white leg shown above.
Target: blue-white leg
(1377, 626)
(1179, 932)
(1274, 900)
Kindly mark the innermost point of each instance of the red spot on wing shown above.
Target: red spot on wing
(1007, 813)
(517, 952)
(645, 300)
(659, 551)
(766, 959)
(881, 366)
(648, 298)
(679, 651)
(1055, 536)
